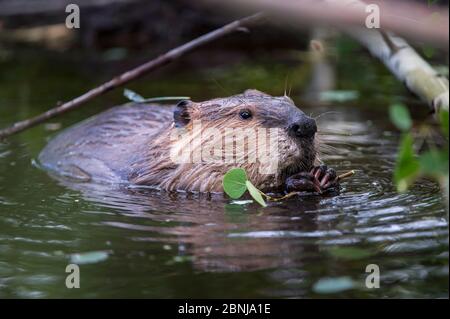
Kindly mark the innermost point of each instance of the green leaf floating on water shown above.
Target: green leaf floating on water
(333, 285)
(399, 115)
(256, 194)
(234, 183)
(89, 257)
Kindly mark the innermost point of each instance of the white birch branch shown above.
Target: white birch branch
(403, 61)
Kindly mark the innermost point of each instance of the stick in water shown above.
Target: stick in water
(345, 175)
(277, 199)
(133, 74)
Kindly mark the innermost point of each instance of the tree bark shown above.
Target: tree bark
(403, 61)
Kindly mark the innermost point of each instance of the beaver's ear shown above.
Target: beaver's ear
(254, 92)
(181, 115)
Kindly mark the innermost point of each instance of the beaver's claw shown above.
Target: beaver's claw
(319, 179)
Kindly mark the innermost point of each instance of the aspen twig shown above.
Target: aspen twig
(291, 194)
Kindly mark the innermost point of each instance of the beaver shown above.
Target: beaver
(140, 144)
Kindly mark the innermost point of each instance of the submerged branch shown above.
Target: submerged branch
(133, 74)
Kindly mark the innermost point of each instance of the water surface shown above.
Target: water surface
(153, 244)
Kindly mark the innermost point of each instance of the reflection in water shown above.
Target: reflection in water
(211, 230)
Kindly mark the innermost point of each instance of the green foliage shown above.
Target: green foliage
(255, 193)
(432, 163)
(399, 115)
(443, 118)
(235, 184)
(407, 166)
(428, 51)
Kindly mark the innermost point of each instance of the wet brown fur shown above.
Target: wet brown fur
(132, 144)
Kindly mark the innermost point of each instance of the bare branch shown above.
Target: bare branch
(132, 74)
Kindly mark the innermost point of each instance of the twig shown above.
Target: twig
(132, 74)
(277, 199)
(291, 194)
(345, 175)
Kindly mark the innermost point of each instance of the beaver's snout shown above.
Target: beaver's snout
(304, 127)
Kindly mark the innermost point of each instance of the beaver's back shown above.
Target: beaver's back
(103, 147)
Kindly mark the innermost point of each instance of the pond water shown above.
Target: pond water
(170, 245)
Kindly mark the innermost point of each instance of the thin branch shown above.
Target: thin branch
(289, 195)
(132, 74)
(345, 175)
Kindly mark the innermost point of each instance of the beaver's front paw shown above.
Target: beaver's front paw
(319, 179)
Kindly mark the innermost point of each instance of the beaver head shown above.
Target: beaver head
(267, 136)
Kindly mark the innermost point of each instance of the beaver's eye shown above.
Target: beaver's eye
(245, 114)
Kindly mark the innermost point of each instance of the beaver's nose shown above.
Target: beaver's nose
(305, 127)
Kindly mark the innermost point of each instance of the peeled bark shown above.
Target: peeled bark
(408, 66)
(403, 61)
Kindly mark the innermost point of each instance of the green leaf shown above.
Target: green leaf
(434, 163)
(443, 115)
(234, 182)
(407, 166)
(333, 285)
(133, 96)
(256, 194)
(399, 115)
(89, 257)
(429, 51)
